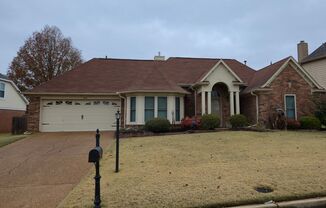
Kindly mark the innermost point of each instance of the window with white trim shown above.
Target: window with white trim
(290, 106)
(149, 108)
(132, 109)
(162, 107)
(2, 90)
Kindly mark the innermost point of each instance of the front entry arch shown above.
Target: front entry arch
(220, 102)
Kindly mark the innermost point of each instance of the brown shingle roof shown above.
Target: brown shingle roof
(126, 75)
(191, 70)
(319, 53)
(261, 76)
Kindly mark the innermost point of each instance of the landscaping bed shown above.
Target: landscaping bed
(209, 170)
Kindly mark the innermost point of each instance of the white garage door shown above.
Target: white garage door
(78, 115)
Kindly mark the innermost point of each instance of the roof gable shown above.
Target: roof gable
(215, 67)
(5, 79)
(319, 53)
(264, 77)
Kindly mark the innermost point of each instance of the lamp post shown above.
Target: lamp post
(117, 134)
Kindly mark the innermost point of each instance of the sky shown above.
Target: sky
(259, 31)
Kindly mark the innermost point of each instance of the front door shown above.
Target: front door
(216, 104)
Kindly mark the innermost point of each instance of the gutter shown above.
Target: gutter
(125, 108)
(257, 104)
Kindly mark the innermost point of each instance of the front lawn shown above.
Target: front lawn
(200, 170)
(9, 138)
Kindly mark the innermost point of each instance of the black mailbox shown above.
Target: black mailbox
(95, 154)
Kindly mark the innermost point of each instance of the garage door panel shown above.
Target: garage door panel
(79, 115)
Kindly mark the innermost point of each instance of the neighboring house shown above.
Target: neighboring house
(314, 63)
(12, 103)
(88, 96)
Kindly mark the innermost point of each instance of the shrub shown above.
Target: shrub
(310, 122)
(158, 125)
(209, 121)
(320, 113)
(238, 120)
(190, 123)
(293, 124)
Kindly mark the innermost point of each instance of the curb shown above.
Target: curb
(304, 203)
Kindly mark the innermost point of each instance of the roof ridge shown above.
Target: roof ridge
(273, 64)
(206, 58)
(122, 59)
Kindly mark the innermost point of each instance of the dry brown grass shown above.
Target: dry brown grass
(196, 170)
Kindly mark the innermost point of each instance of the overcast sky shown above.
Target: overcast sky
(254, 30)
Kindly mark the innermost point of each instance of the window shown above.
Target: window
(97, 102)
(149, 108)
(68, 102)
(2, 90)
(132, 109)
(290, 106)
(105, 102)
(177, 109)
(58, 102)
(162, 107)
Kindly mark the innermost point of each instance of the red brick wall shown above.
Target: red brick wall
(33, 114)
(198, 104)
(248, 107)
(280, 86)
(6, 119)
(189, 104)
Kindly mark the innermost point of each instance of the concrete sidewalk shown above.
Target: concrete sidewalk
(304, 203)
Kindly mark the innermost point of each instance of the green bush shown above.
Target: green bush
(310, 122)
(158, 125)
(209, 121)
(238, 121)
(321, 113)
(293, 124)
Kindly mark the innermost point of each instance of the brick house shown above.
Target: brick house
(12, 103)
(88, 96)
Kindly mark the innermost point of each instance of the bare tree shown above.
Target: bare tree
(44, 55)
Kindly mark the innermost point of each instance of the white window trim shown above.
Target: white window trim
(295, 105)
(175, 110)
(4, 92)
(155, 107)
(129, 113)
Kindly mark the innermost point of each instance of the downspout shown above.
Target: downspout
(125, 108)
(257, 106)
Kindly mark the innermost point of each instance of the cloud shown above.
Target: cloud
(252, 30)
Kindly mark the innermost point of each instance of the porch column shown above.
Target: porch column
(231, 103)
(237, 102)
(209, 103)
(203, 102)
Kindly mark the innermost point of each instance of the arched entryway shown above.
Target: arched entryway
(220, 104)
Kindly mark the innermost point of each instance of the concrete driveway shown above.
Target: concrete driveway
(39, 171)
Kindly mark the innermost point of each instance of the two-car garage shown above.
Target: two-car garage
(78, 115)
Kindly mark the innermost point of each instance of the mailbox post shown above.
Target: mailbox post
(94, 156)
(117, 134)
